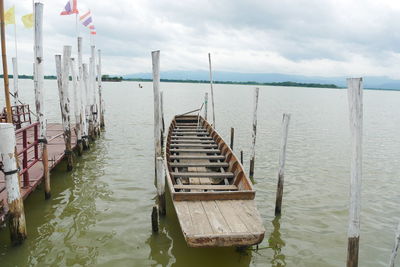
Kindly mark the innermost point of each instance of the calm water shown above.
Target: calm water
(99, 214)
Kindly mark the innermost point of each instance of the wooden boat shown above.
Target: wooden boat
(212, 196)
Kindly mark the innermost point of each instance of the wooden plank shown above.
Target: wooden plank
(190, 130)
(200, 164)
(199, 219)
(214, 195)
(215, 218)
(203, 174)
(198, 157)
(207, 187)
(188, 133)
(185, 220)
(182, 150)
(193, 141)
(176, 137)
(228, 211)
(194, 145)
(248, 213)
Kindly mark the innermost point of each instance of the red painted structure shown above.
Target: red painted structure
(29, 155)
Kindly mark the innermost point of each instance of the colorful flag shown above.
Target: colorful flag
(70, 9)
(9, 16)
(86, 18)
(92, 29)
(27, 20)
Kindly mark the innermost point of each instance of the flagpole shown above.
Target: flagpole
(4, 59)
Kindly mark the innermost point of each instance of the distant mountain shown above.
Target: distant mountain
(376, 82)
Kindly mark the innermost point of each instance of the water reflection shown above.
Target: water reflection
(276, 244)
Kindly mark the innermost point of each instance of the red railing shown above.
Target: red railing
(30, 149)
(20, 114)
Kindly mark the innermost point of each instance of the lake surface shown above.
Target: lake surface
(99, 214)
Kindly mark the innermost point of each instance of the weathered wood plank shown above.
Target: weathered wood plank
(248, 213)
(214, 195)
(185, 220)
(217, 221)
(176, 137)
(195, 145)
(207, 187)
(203, 174)
(199, 218)
(193, 141)
(228, 211)
(197, 157)
(200, 164)
(189, 133)
(180, 150)
(190, 130)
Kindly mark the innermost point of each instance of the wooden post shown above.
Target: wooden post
(282, 160)
(17, 222)
(95, 111)
(154, 219)
(4, 60)
(82, 91)
(87, 101)
(212, 90)
(241, 157)
(38, 80)
(254, 134)
(99, 82)
(162, 111)
(157, 133)
(63, 81)
(15, 80)
(355, 92)
(77, 106)
(232, 136)
(205, 105)
(161, 186)
(395, 247)
(90, 101)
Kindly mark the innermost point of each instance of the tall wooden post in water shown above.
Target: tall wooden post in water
(62, 70)
(93, 86)
(254, 134)
(38, 80)
(86, 101)
(282, 160)
(16, 215)
(77, 106)
(82, 92)
(157, 130)
(99, 82)
(355, 93)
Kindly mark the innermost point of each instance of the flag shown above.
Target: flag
(27, 20)
(9, 16)
(92, 29)
(70, 9)
(86, 18)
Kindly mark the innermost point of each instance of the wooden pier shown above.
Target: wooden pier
(31, 168)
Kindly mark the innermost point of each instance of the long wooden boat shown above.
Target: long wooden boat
(212, 196)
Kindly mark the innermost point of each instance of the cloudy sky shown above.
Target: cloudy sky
(306, 37)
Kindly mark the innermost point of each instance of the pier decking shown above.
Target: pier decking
(34, 175)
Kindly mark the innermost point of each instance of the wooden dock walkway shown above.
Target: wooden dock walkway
(34, 176)
(213, 198)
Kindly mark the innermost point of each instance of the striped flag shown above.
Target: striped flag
(86, 18)
(70, 9)
(92, 30)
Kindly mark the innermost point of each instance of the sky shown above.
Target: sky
(299, 37)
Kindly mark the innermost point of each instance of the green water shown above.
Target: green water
(99, 214)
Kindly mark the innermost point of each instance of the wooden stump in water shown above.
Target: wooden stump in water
(154, 219)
